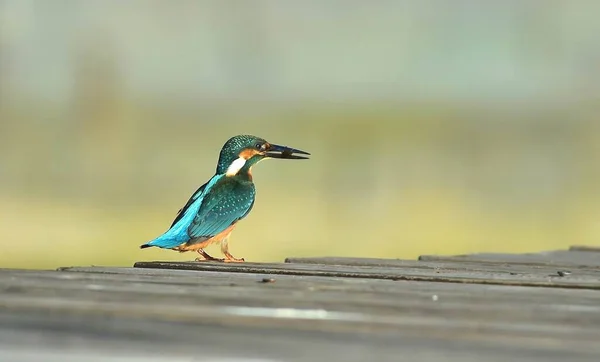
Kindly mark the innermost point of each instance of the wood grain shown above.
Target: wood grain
(470, 272)
(309, 310)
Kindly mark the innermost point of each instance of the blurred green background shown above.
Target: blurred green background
(435, 126)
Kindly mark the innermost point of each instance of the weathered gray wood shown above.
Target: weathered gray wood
(585, 248)
(297, 292)
(473, 315)
(309, 310)
(74, 338)
(445, 263)
(541, 277)
(558, 258)
(329, 260)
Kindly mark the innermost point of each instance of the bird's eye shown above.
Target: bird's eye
(259, 146)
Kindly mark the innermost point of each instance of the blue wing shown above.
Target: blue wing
(178, 234)
(223, 205)
(194, 197)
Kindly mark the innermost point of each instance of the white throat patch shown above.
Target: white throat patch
(235, 166)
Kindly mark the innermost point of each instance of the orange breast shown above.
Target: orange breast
(215, 239)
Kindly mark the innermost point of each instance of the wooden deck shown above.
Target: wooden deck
(482, 307)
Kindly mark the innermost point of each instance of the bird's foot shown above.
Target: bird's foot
(234, 260)
(231, 259)
(206, 257)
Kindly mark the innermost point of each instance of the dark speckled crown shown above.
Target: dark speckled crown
(232, 148)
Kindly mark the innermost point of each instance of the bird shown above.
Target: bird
(213, 211)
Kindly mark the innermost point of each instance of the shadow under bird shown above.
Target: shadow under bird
(212, 212)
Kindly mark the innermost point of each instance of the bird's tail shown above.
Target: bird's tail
(165, 241)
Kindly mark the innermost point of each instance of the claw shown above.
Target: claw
(231, 259)
(225, 250)
(206, 257)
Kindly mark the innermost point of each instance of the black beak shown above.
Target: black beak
(276, 151)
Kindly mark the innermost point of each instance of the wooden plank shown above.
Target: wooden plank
(557, 258)
(328, 260)
(298, 292)
(578, 279)
(328, 298)
(143, 303)
(65, 337)
(180, 282)
(585, 248)
(445, 263)
(211, 314)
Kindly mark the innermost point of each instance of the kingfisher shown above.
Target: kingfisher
(212, 212)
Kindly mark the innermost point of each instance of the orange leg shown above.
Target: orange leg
(228, 257)
(206, 257)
